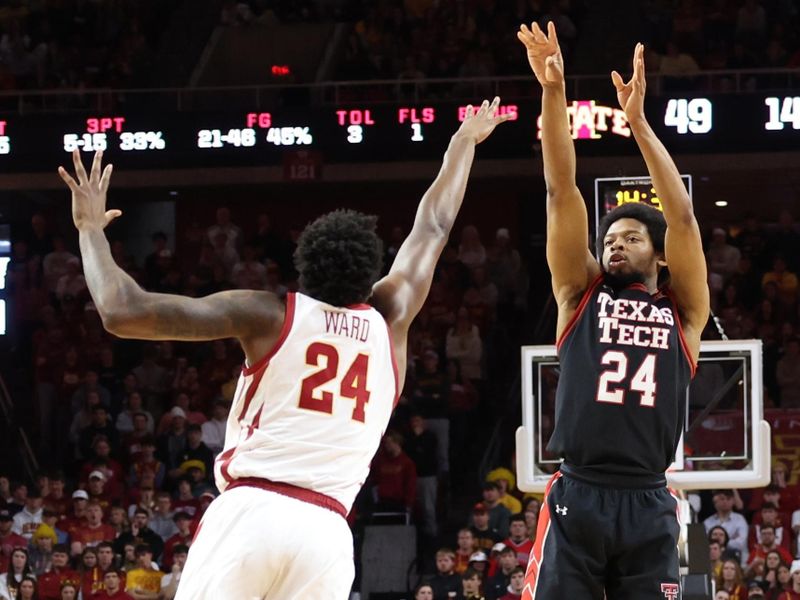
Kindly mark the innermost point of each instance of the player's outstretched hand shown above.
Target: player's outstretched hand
(479, 124)
(544, 53)
(631, 94)
(89, 193)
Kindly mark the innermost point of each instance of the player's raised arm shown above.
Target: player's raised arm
(400, 295)
(683, 245)
(572, 265)
(129, 311)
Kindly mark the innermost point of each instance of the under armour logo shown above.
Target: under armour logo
(670, 590)
(561, 510)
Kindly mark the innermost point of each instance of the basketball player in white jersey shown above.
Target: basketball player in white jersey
(323, 372)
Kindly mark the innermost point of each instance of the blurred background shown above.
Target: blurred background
(233, 124)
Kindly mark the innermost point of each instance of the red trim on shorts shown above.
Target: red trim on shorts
(291, 491)
(394, 366)
(288, 319)
(681, 336)
(542, 529)
(578, 311)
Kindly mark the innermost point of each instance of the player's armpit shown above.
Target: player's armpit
(235, 313)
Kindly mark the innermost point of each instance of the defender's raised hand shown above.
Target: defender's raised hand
(89, 193)
(631, 94)
(478, 125)
(544, 53)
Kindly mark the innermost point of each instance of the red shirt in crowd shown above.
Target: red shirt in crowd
(523, 550)
(396, 478)
(91, 536)
(759, 552)
(462, 562)
(169, 545)
(60, 506)
(50, 583)
(92, 582)
(7, 545)
(789, 595)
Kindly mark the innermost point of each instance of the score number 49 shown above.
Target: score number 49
(689, 116)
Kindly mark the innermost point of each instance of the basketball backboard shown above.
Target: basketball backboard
(726, 442)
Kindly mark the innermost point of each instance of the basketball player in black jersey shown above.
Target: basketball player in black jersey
(628, 338)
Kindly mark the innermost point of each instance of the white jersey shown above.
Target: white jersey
(312, 412)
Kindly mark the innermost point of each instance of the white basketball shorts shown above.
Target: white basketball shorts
(255, 544)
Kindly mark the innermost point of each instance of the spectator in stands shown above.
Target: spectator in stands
(793, 593)
(722, 595)
(767, 544)
(464, 345)
(430, 401)
(784, 582)
(133, 407)
(72, 284)
(185, 500)
(465, 548)
(131, 443)
(170, 581)
(19, 496)
(18, 568)
(69, 591)
(90, 575)
(518, 538)
(98, 491)
(734, 524)
(471, 585)
(141, 533)
(485, 535)
(499, 515)
(106, 559)
(505, 479)
(787, 374)
(112, 588)
(50, 583)
(144, 582)
(152, 378)
(118, 519)
(56, 501)
(196, 450)
(471, 252)
(30, 517)
(41, 549)
(249, 273)
(516, 585)
(162, 520)
(213, 430)
(769, 516)
(99, 427)
(732, 581)
(785, 280)
(423, 591)
(27, 589)
(497, 585)
(172, 444)
(446, 583)
(751, 22)
(421, 447)
(8, 539)
(76, 517)
(146, 465)
(146, 501)
(93, 532)
(182, 537)
(50, 518)
(233, 233)
(723, 258)
(394, 475)
(54, 265)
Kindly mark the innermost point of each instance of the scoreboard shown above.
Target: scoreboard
(386, 132)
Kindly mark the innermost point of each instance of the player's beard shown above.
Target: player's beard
(622, 280)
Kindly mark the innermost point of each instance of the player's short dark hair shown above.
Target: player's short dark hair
(339, 257)
(652, 218)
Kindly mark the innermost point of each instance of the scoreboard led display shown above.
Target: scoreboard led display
(387, 132)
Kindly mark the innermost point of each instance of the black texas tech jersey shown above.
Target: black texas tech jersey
(621, 396)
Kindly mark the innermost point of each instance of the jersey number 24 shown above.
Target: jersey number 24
(643, 381)
(353, 384)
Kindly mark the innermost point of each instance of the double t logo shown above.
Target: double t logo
(670, 590)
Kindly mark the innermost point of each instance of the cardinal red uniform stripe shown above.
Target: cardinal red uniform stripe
(542, 529)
